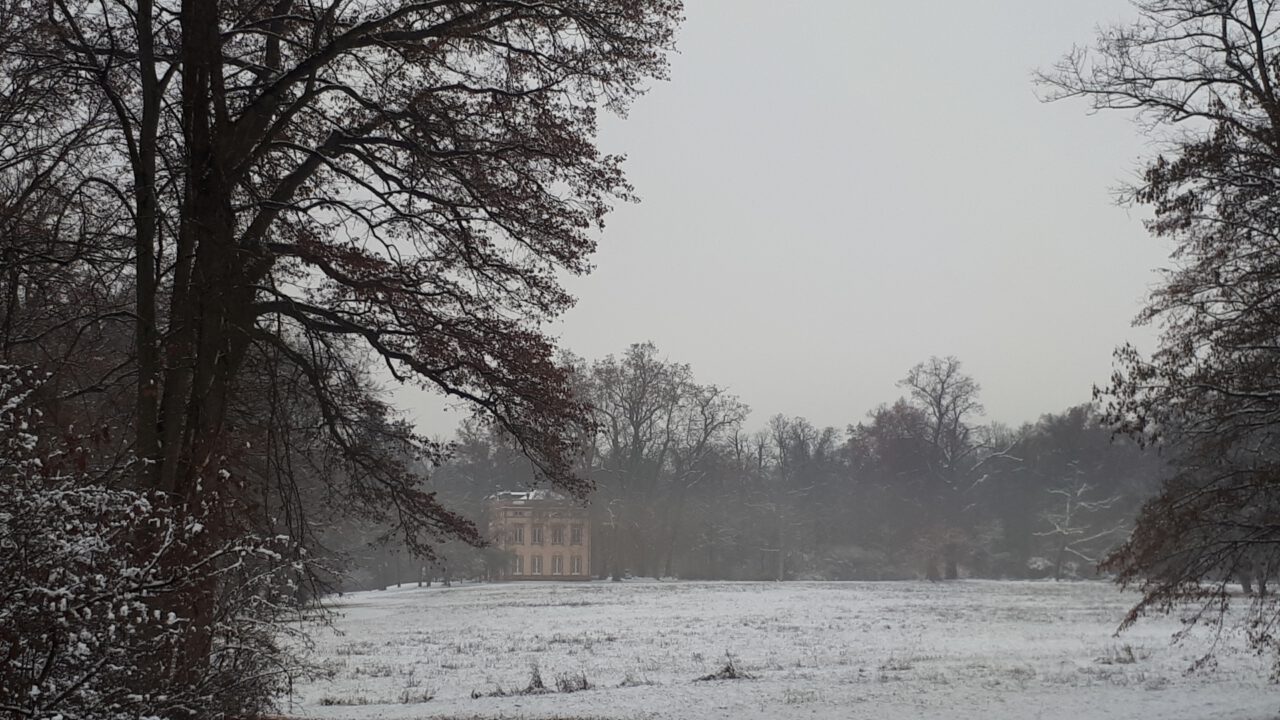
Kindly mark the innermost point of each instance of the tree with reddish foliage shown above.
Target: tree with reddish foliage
(1204, 77)
(291, 192)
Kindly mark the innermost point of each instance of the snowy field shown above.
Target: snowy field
(981, 650)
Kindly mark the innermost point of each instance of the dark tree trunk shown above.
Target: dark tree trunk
(951, 560)
(210, 310)
(147, 335)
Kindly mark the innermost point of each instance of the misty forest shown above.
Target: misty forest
(919, 487)
(301, 417)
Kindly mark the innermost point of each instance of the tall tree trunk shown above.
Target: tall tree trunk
(677, 522)
(12, 280)
(146, 331)
(195, 393)
(931, 568)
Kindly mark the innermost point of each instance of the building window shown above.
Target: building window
(535, 565)
(536, 538)
(575, 535)
(517, 565)
(557, 565)
(557, 534)
(517, 534)
(575, 565)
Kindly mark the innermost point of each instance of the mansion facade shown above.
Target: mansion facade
(546, 535)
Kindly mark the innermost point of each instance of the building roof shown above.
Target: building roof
(508, 496)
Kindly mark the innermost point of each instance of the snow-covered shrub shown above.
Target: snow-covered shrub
(1039, 567)
(98, 581)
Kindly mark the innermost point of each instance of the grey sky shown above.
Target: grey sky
(833, 190)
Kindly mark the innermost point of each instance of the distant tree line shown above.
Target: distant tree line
(919, 488)
(1167, 481)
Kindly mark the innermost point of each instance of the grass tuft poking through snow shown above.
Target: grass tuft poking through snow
(730, 671)
(572, 683)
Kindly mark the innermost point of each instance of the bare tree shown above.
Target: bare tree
(1072, 528)
(949, 400)
(657, 430)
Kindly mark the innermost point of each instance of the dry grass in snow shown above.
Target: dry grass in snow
(981, 650)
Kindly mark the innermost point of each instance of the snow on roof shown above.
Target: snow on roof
(528, 495)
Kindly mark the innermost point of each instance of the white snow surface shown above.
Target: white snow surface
(968, 649)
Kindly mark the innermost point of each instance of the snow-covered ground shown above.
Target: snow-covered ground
(981, 650)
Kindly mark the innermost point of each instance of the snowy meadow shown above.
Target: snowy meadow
(970, 649)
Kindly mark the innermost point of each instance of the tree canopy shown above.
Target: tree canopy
(225, 222)
(1202, 76)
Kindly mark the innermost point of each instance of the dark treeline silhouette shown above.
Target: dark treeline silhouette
(919, 487)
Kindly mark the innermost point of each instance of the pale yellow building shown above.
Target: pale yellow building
(546, 534)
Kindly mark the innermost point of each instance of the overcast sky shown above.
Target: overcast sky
(834, 190)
